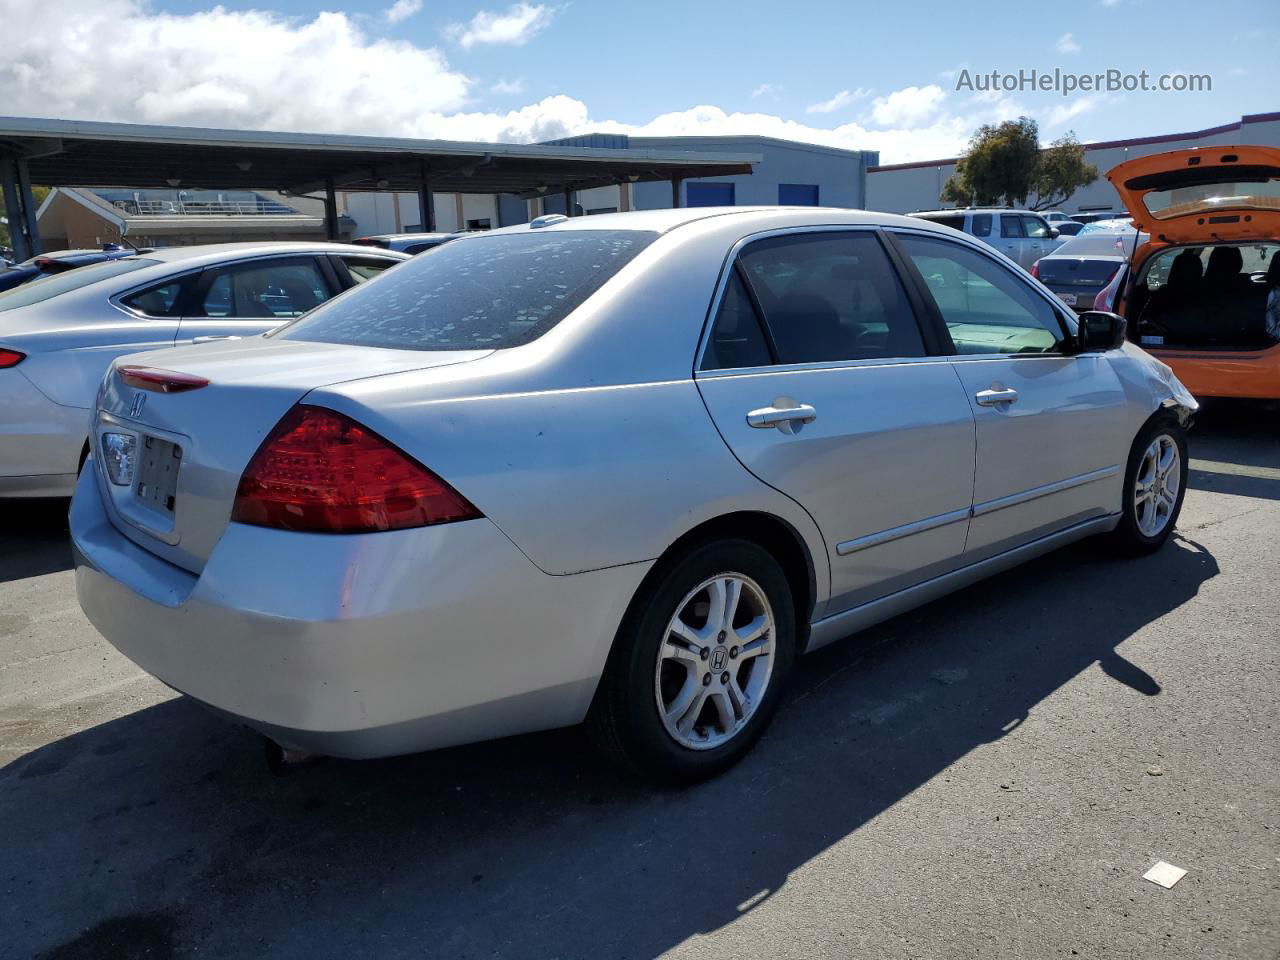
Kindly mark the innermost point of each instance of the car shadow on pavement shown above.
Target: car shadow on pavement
(33, 538)
(162, 834)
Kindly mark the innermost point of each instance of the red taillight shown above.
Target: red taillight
(10, 358)
(1035, 269)
(1105, 300)
(322, 472)
(161, 381)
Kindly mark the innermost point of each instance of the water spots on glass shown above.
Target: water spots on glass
(479, 292)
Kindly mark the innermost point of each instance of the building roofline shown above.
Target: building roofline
(1108, 144)
(212, 136)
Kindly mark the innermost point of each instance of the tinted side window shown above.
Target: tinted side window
(1010, 225)
(365, 268)
(831, 297)
(268, 289)
(982, 224)
(1035, 227)
(160, 300)
(416, 248)
(736, 337)
(987, 309)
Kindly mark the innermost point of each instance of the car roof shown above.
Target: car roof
(220, 251)
(749, 218)
(434, 235)
(961, 211)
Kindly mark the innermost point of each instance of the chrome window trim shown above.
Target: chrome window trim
(816, 367)
(722, 285)
(1021, 276)
(904, 530)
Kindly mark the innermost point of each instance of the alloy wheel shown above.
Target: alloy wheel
(1156, 489)
(715, 661)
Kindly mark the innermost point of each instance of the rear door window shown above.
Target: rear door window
(159, 300)
(1010, 225)
(982, 224)
(477, 292)
(737, 339)
(830, 297)
(277, 289)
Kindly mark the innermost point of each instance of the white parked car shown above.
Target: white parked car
(620, 468)
(59, 334)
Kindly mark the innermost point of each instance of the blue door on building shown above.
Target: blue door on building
(700, 194)
(798, 194)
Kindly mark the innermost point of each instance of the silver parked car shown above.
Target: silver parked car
(1024, 236)
(620, 468)
(59, 334)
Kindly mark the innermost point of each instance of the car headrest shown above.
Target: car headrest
(806, 328)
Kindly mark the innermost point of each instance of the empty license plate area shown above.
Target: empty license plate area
(157, 473)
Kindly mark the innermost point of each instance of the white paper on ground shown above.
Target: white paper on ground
(1165, 874)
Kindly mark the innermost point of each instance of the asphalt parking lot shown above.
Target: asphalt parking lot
(989, 776)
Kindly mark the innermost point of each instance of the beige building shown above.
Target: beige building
(76, 217)
(906, 187)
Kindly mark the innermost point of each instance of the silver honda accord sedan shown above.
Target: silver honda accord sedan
(59, 334)
(620, 468)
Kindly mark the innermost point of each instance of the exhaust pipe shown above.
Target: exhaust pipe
(282, 760)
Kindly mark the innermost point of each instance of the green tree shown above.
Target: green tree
(1060, 172)
(1005, 164)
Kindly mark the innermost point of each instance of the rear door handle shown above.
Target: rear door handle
(211, 339)
(785, 418)
(989, 398)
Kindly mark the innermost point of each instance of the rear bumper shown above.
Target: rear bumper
(1254, 375)
(40, 441)
(357, 646)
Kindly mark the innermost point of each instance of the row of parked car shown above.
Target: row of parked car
(619, 469)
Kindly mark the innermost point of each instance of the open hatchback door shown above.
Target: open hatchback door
(1203, 195)
(1198, 291)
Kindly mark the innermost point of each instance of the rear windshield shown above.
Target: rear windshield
(50, 286)
(956, 222)
(481, 292)
(1243, 189)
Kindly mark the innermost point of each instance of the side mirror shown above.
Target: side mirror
(1099, 330)
(1054, 233)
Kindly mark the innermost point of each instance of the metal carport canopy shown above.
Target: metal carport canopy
(96, 154)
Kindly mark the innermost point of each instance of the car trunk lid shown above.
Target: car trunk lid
(1203, 194)
(190, 446)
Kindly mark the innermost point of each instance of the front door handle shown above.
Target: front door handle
(211, 339)
(785, 414)
(989, 398)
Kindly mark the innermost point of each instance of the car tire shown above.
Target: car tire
(1152, 496)
(680, 705)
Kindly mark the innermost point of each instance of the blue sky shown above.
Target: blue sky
(879, 76)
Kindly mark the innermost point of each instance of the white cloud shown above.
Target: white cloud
(1066, 44)
(839, 101)
(1063, 112)
(218, 68)
(907, 107)
(508, 87)
(258, 70)
(516, 27)
(765, 90)
(401, 9)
